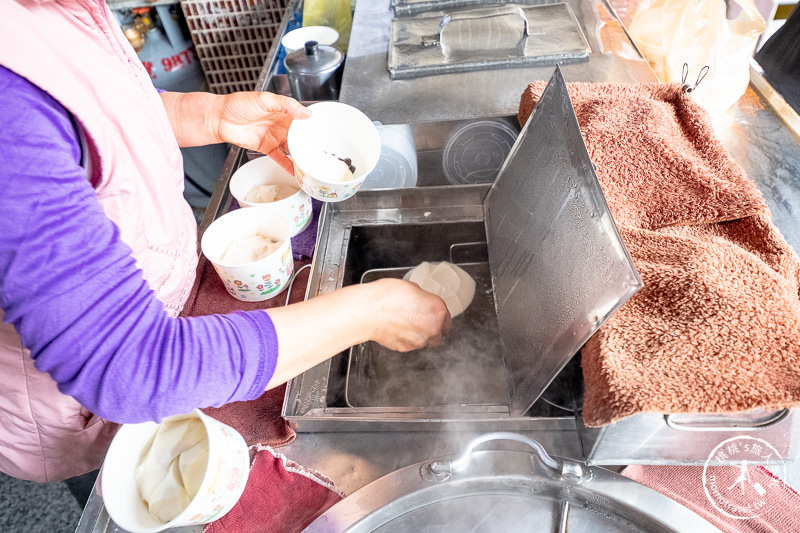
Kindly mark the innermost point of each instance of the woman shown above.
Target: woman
(98, 250)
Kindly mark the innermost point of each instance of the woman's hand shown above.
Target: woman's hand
(406, 317)
(260, 121)
(393, 312)
(253, 120)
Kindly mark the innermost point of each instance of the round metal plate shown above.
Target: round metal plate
(506, 491)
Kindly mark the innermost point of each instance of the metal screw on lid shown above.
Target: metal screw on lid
(311, 48)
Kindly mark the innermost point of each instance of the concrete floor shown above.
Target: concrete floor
(30, 507)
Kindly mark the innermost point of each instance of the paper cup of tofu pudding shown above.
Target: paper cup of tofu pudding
(333, 151)
(251, 251)
(262, 181)
(188, 470)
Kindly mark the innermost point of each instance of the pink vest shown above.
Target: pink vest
(75, 51)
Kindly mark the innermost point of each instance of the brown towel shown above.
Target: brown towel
(716, 327)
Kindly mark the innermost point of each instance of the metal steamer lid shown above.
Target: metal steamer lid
(503, 491)
(314, 58)
(558, 264)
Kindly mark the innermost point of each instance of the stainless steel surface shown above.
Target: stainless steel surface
(503, 490)
(761, 133)
(646, 438)
(748, 421)
(412, 7)
(558, 269)
(466, 370)
(367, 85)
(559, 266)
(506, 36)
(392, 229)
(355, 459)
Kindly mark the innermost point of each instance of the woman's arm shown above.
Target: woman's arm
(393, 312)
(253, 120)
(71, 288)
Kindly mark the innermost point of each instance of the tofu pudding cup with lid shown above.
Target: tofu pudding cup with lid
(251, 251)
(263, 182)
(333, 151)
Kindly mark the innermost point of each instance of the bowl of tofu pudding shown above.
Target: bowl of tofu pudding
(251, 250)
(188, 470)
(263, 182)
(333, 151)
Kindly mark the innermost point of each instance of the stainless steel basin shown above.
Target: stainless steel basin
(384, 232)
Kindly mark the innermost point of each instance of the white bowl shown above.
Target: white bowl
(223, 483)
(297, 39)
(334, 130)
(264, 171)
(258, 280)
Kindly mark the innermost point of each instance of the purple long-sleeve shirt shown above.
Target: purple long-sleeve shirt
(72, 289)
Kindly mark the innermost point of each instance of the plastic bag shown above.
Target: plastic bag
(334, 13)
(670, 33)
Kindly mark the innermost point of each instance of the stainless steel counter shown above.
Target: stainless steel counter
(366, 83)
(761, 132)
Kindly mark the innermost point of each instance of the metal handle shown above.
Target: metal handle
(565, 469)
(475, 15)
(673, 422)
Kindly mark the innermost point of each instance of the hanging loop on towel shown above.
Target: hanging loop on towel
(685, 87)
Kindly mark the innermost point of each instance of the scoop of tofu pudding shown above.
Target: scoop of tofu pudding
(249, 249)
(266, 193)
(446, 280)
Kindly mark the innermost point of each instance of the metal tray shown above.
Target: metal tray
(504, 36)
(467, 369)
(558, 270)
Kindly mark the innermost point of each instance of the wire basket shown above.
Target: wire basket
(233, 38)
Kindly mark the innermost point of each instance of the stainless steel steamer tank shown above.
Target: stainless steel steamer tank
(550, 268)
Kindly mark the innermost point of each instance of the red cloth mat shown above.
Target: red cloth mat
(280, 495)
(744, 498)
(258, 421)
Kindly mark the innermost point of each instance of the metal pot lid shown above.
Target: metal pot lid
(481, 38)
(314, 59)
(559, 266)
(506, 491)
